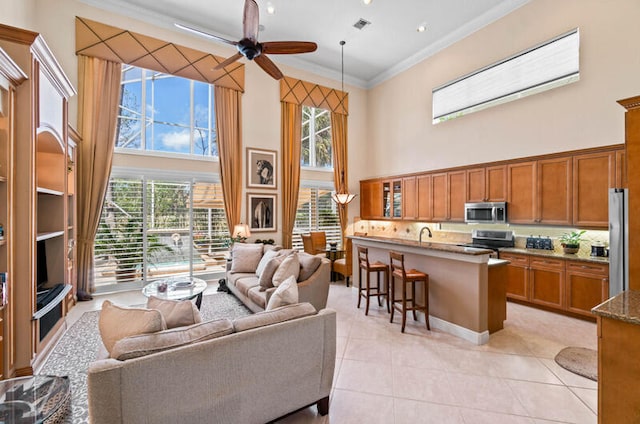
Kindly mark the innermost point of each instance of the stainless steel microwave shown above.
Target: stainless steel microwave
(486, 213)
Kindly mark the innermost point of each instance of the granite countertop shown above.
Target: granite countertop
(443, 247)
(624, 307)
(554, 254)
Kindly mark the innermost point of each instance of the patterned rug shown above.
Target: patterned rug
(579, 360)
(78, 346)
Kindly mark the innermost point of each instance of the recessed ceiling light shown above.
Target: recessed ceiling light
(270, 8)
(367, 2)
(422, 27)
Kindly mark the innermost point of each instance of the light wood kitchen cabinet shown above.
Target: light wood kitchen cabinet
(425, 197)
(521, 192)
(409, 198)
(457, 195)
(546, 277)
(487, 184)
(517, 275)
(593, 176)
(371, 199)
(621, 168)
(554, 198)
(392, 199)
(439, 193)
(587, 285)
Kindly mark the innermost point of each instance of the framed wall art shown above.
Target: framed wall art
(261, 211)
(262, 168)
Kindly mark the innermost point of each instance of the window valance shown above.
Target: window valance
(308, 94)
(118, 45)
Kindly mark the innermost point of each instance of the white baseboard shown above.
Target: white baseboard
(458, 331)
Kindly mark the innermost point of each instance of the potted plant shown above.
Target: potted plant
(124, 241)
(571, 241)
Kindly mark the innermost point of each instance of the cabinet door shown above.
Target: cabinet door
(517, 275)
(593, 176)
(409, 198)
(439, 191)
(621, 168)
(476, 185)
(457, 195)
(587, 285)
(554, 191)
(425, 211)
(546, 277)
(371, 199)
(521, 193)
(396, 189)
(496, 183)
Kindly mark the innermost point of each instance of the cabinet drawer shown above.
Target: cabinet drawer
(588, 267)
(549, 263)
(516, 259)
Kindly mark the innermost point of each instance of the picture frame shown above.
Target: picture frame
(262, 168)
(262, 212)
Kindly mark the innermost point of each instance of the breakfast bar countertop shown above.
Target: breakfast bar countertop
(624, 307)
(443, 247)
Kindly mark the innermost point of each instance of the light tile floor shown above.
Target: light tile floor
(384, 376)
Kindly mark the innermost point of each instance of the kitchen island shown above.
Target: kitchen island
(466, 287)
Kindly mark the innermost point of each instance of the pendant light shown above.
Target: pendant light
(342, 197)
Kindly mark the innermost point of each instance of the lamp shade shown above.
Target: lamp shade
(241, 230)
(342, 198)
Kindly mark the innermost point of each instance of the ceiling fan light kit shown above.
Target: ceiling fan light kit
(249, 46)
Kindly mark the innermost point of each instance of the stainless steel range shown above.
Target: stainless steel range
(491, 239)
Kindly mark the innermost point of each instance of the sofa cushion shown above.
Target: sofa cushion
(245, 257)
(274, 316)
(146, 344)
(308, 265)
(176, 313)
(117, 322)
(258, 296)
(268, 255)
(245, 284)
(290, 267)
(285, 294)
(266, 278)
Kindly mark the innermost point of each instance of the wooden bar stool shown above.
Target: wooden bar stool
(412, 277)
(368, 267)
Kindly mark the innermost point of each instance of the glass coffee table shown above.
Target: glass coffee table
(178, 288)
(35, 399)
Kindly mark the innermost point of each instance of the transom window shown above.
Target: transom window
(164, 113)
(316, 138)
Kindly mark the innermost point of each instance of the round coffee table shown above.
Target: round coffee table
(179, 288)
(35, 399)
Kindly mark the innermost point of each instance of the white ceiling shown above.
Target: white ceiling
(389, 45)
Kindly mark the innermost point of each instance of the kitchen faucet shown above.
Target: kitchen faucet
(422, 230)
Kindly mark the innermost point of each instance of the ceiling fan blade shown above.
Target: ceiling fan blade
(250, 20)
(229, 61)
(205, 34)
(288, 47)
(268, 66)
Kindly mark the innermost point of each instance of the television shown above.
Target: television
(41, 265)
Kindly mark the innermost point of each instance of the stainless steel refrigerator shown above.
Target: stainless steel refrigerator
(618, 240)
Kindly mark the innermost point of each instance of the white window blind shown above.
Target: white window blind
(543, 67)
(316, 212)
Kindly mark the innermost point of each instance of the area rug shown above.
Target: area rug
(579, 360)
(78, 346)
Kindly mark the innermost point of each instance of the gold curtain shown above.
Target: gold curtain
(98, 101)
(228, 106)
(291, 139)
(340, 161)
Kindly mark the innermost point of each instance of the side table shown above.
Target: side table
(332, 255)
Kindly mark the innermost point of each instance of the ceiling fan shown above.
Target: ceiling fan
(249, 46)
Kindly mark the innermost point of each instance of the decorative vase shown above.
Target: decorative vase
(570, 248)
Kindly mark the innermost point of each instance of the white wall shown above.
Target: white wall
(580, 115)
(17, 13)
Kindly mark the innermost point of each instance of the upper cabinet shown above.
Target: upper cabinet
(521, 192)
(409, 198)
(487, 184)
(554, 196)
(371, 199)
(593, 175)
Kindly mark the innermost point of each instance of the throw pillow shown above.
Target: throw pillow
(117, 322)
(290, 267)
(281, 314)
(245, 257)
(308, 265)
(285, 294)
(266, 278)
(146, 344)
(268, 255)
(176, 313)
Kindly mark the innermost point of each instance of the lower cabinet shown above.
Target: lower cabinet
(557, 283)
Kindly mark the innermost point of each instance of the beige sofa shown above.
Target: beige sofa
(268, 365)
(314, 289)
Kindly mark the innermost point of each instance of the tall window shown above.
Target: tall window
(316, 212)
(165, 113)
(153, 228)
(316, 138)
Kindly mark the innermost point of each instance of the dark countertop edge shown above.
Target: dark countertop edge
(441, 247)
(553, 254)
(623, 307)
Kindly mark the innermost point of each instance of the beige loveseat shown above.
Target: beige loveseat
(313, 282)
(258, 368)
